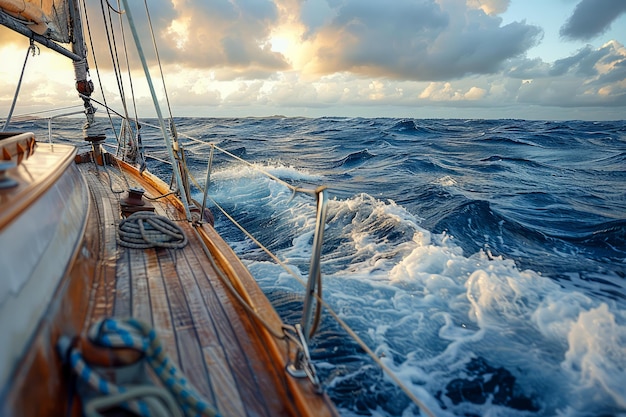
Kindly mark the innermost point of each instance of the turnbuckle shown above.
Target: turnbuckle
(302, 366)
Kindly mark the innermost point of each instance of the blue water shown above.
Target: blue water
(483, 261)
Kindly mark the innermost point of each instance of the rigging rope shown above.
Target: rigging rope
(158, 58)
(144, 229)
(126, 132)
(95, 61)
(157, 108)
(138, 142)
(115, 60)
(32, 48)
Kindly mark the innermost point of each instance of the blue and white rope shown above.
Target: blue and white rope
(132, 333)
(101, 385)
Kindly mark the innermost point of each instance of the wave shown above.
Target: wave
(482, 260)
(354, 159)
(499, 158)
(410, 127)
(436, 314)
(420, 165)
(506, 140)
(485, 293)
(614, 163)
(610, 237)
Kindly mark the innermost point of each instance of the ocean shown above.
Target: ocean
(484, 261)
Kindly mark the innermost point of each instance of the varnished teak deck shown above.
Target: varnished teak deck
(220, 348)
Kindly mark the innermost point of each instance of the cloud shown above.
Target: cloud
(226, 35)
(592, 18)
(417, 40)
(490, 6)
(430, 40)
(588, 78)
(524, 68)
(322, 57)
(437, 91)
(584, 62)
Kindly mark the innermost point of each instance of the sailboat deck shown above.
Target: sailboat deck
(211, 337)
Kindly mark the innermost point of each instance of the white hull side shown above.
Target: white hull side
(35, 251)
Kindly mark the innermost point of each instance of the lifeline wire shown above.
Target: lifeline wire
(157, 108)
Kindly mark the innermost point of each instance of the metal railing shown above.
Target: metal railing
(56, 116)
(310, 315)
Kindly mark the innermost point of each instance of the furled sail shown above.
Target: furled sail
(48, 18)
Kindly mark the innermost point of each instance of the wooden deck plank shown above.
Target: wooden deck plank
(110, 218)
(191, 358)
(102, 301)
(140, 301)
(178, 304)
(94, 224)
(228, 398)
(122, 306)
(217, 345)
(226, 324)
(251, 374)
(161, 315)
(227, 391)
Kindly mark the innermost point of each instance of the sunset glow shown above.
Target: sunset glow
(409, 58)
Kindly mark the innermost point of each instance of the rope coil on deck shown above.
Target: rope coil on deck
(144, 229)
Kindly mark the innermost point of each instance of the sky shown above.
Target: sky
(479, 59)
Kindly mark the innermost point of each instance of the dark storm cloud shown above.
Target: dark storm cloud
(592, 18)
(418, 40)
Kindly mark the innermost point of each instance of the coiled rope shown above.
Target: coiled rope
(144, 229)
(132, 333)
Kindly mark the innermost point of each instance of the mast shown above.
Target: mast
(48, 22)
(84, 85)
